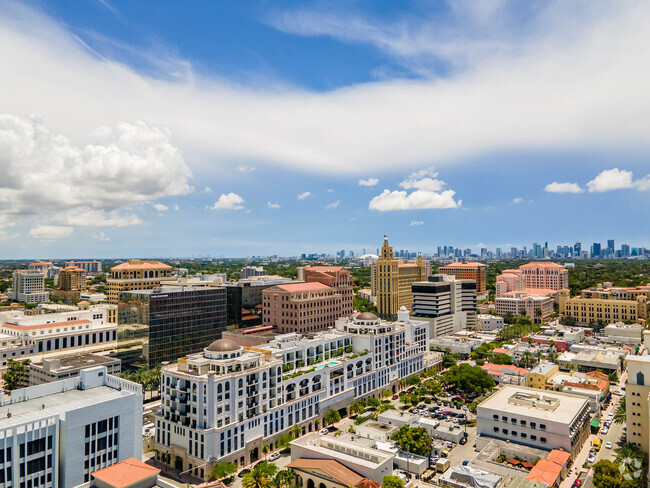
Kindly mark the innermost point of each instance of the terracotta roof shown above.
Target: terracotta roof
(499, 350)
(544, 265)
(545, 471)
(462, 265)
(367, 483)
(527, 465)
(45, 326)
(325, 268)
(298, 287)
(125, 473)
(597, 374)
(141, 265)
(558, 456)
(331, 468)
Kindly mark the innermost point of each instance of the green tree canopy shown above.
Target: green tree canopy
(468, 379)
(332, 417)
(392, 481)
(415, 440)
(16, 371)
(261, 476)
(222, 470)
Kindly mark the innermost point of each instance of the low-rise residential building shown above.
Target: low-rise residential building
(487, 322)
(57, 434)
(449, 303)
(507, 374)
(60, 368)
(226, 403)
(542, 419)
(537, 308)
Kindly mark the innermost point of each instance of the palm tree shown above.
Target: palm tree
(356, 407)
(284, 479)
(296, 430)
(316, 423)
(539, 356)
(630, 460)
(261, 476)
(386, 393)
(527, 358)
(332, 417)
(265, 450)
(620, 415)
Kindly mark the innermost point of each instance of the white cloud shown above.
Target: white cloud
(556, 187)
(46, 176)
(574, 69)
(643, 184)
(273, 205)
(517, 200)
(611, 179)
(100, 237)
(417, 222)
(207, 190)
(304, 195)
(369, 182)
(176, 207)
(50, 232)
(429, 194)
(330, 190)
(333, 205)
(160, 207)
(242, 168)
(228, 201)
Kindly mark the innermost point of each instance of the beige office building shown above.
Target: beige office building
(637, 391)
(72, 278)
(604, 308)
(468, 271)
(135, 275)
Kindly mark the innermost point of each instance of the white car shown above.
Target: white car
(276, 455)
(591, 459)
(324, 431)
(604, 430)
(608, 445)
(617, 393)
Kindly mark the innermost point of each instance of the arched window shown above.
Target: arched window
(640, 380)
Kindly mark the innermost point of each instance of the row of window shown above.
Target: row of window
(523, 435)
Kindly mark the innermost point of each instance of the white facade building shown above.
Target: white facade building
(537, 308)
(57, 434)
(49, 334)
(29, 286)
(489, 322)
(90, 267)
(227, 402)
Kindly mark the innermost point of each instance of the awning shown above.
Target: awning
(595, 423)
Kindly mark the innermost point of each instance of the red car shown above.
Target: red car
(395, 397)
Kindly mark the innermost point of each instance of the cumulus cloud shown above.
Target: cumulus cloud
(207, 190)
(273, 205)
(598, 86)
(517, 200)
(611, 179)
(176, 207)
(50, 232)
(160, 207)
(100, 237)
(242, 168)
(429, 194)
(333, 205)
(44, 174)
(228, 201)
(556, 187)
(417, 222)
(369, 182)
(307, 194)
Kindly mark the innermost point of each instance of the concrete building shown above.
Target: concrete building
(90, 267)
(487, 322)
(509, 280)
(57, 434)
(455, 345)
(563, 337)
(314, 305)
(60, 368)
(246, 295)
(28, 286)
(535, 418)
(226, 403)
(605, 306)
(544, 276)
(624, 333)
(391, 281)
(507, 374)
(449, 303)
(593, 359)
(91, 329)
(537, 308)
(72, 278)
(637, 395)
(135, 275)
(468, 271)
(171, 322)
(40, 266)
(540, 376)
(249, 271)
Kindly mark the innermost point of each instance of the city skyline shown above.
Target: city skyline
(134, 130)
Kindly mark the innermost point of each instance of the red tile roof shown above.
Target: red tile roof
(325, 268)
(141, 265)
(331, 468)
(558, 456)
(298, 287)
(125, 473)
(545, 265)
(545, 471)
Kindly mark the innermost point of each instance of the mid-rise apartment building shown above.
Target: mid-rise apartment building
(537, 308)
(135, 275)
(449, 302)
(225, 403)
(90, 267)
(29, 286)
(391, 280)
(87, 330)
(540, 419)
(57, 434)
(605, 307)
(314, 305)
(249, 271)
(72, 278)
(468, 271)
(172, 321)
(40, 266)
(545, 276)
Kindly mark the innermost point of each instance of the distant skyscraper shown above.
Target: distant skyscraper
(595, 250)
(610, 246)
(625, 250)
(577, 247)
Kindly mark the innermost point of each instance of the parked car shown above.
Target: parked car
(274, 456)
(459, 406)
(576, 483)
(324, 431)
(463, 441)
(608, 445)
(439, 403)
(395, 397)
(243, 472)
(591, 459)
(604, 430)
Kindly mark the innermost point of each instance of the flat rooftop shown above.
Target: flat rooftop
(74, 362)
(534, 403)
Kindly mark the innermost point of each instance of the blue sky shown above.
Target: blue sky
(176, 129)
